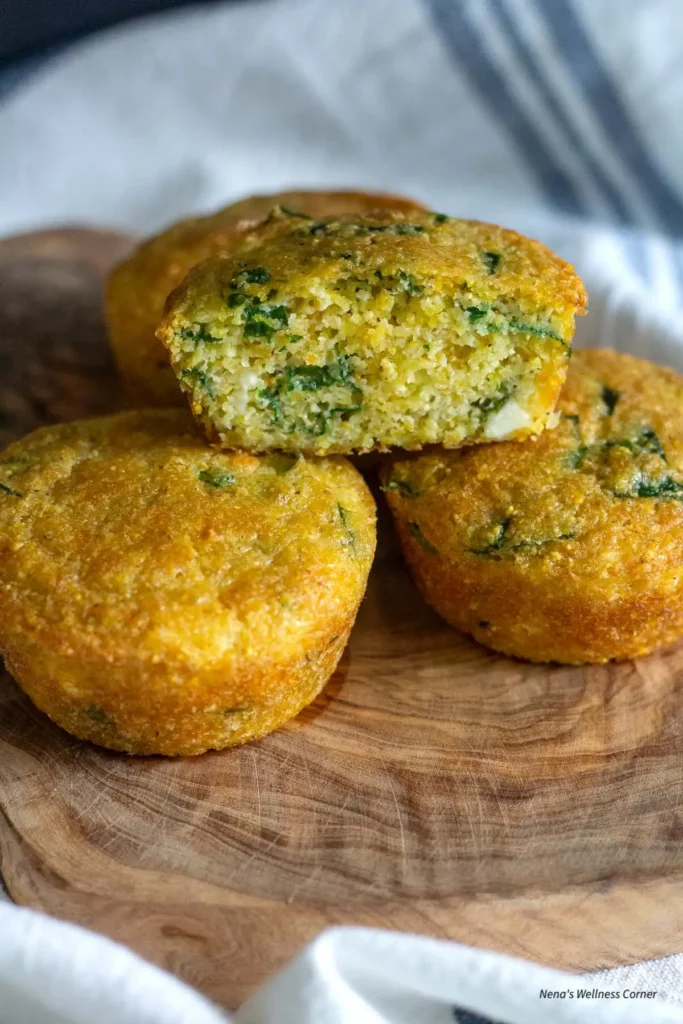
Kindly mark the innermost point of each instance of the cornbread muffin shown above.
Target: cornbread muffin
(138, 287)
(159, 597)
(374, 330)
(568, 548)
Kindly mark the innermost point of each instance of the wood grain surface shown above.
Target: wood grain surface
(433, 787)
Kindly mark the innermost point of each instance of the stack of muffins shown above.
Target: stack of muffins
(174, 582)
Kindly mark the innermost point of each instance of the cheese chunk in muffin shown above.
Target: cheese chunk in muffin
(160, 597)
(568, 548)
(367, 332)
(138, 288)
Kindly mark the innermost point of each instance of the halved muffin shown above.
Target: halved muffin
(367, 332)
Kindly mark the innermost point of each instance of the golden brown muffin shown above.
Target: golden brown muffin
(568, 548)
(372, 331)
(160, 597)
(138, 287)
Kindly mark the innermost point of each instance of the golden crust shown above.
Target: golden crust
(138, 288)
(567, 548)
(157, 596)
(527, 272)
(322, 203)
(411, 300)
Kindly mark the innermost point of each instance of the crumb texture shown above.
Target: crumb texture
(366, 332)
(138, 288)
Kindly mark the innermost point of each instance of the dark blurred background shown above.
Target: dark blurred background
(28, 27)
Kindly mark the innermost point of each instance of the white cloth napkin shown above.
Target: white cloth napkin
(54, 973)
(557, 117)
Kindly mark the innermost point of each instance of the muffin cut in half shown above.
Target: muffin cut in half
(161, 597)
(371, 331)
(568, 548)
(139, 286)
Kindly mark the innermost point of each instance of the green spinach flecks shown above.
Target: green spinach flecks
(198, 378)
(346, 373)
(575, 422)
(510, 325)
(476, 313)
(237, 284)
(419, 536)
(271, 397)
(344, 520)
(259, 329)
(215, 478)
(408, 229)
(196, 333)
(646, 487)
(496, 401)
(97, 714)
(294, 213)
(491, 261)
(409, 284)
(575, 458)
(498, 541)
(441, 218)
(345, 229)
(263, 321)
(648, 441)
(345, 410)
(401, 487)
(313, 378)
(309, 378)
(609, 397)
(257, 275)
(645, 442)
(5, 489)
(402, 228)
(319, 425)
(502, 544)
(321, 419)
(519, 326)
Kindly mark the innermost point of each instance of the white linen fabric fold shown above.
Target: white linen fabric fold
(498, 109)
(560, 118)
(54, 973)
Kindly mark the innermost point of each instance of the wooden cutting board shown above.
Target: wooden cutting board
(433, 787)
